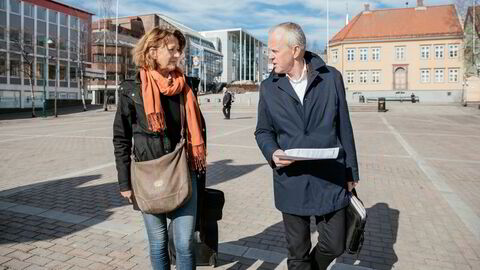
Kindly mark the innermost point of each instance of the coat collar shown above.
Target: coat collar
(314, 65)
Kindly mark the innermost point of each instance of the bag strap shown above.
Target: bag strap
(182, 116)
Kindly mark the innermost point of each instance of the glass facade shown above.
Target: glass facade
(28, 27)
(203, 61)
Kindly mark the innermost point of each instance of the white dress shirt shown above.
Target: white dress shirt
(300, 85)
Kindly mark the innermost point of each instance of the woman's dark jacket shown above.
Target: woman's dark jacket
(131, 123)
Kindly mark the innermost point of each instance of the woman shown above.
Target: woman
(149, 112)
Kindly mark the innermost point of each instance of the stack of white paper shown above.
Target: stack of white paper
(310, 153)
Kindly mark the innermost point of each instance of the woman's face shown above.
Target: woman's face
(167, 56)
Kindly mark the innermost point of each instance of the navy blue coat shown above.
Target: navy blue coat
(308, 187)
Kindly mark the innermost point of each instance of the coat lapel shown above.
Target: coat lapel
(284, 85)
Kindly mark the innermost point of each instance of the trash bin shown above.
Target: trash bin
(361, 99)
(381, 105)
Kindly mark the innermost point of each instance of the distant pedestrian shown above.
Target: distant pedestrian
(227, 103)
(412, 96)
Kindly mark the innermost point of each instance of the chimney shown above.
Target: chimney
(367, 8)
(420, 5)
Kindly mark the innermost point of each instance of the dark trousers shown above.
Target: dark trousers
(331, 240)
(226, 111)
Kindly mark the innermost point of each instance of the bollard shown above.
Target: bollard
(381, 105)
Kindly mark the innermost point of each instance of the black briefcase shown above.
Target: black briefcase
(356, 218)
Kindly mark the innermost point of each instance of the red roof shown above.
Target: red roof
(430, 21)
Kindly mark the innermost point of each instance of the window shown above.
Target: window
(335, 56)
(63, 73)
(351, 54)
(52, 16)
(400, 53)
(15, 6)
(2, 33)
(424, 52)
(63, 19)
(452, 50)
(375, 76)
(41, 13)
(350, 77)
(363, 76)
(27, 9)
(439, 51)
(27, 38)
(363, 54)
(40, 70)
(376, 54)
(3, 64)
(52, 71)
(15, 65)
(439, 75)
(14, 35)
(73, 22)
(3, 5)
(453, 74)
(41, 40)
(425, 75)
(73, 74)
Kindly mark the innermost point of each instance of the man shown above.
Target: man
(302, 105)
(227, 103)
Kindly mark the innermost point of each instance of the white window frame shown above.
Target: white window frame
(376, 54)
(363, 74)
(363, 54)
(335, 56)
(375, 73)
(400, 50)
(351, 52)
(350, 77)
(453, 72)
(439, 49)
(453, 49)
(438, 78)
(424, 75)
(425, 52)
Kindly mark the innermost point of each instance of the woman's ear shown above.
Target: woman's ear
(152, 52)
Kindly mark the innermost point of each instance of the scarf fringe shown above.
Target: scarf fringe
(197, 157)
(156, 121)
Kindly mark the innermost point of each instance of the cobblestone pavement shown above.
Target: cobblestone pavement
(60, 207)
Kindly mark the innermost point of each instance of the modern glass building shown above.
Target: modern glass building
(245, 56)
(44, 38)
(202, 58)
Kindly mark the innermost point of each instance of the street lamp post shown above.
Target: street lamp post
(45, 78)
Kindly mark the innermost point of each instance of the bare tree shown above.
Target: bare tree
(105, 8)
(23, 44)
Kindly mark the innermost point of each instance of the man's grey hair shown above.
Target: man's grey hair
(293, 32)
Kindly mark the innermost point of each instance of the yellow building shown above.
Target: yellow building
(393, 53)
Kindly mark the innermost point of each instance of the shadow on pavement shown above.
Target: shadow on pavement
(39, 113)
(377, 252)
(223, 171)
(69, 202)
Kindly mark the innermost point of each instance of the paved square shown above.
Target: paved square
(60, 207)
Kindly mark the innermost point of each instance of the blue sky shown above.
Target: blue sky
(256, 16)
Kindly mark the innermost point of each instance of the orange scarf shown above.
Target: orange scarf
(154, 83)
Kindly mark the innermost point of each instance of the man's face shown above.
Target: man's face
(280, 54)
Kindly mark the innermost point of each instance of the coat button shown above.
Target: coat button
(306, 132)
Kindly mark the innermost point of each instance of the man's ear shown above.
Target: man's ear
(297, 51)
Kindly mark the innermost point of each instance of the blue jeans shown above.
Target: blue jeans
(183, 220)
